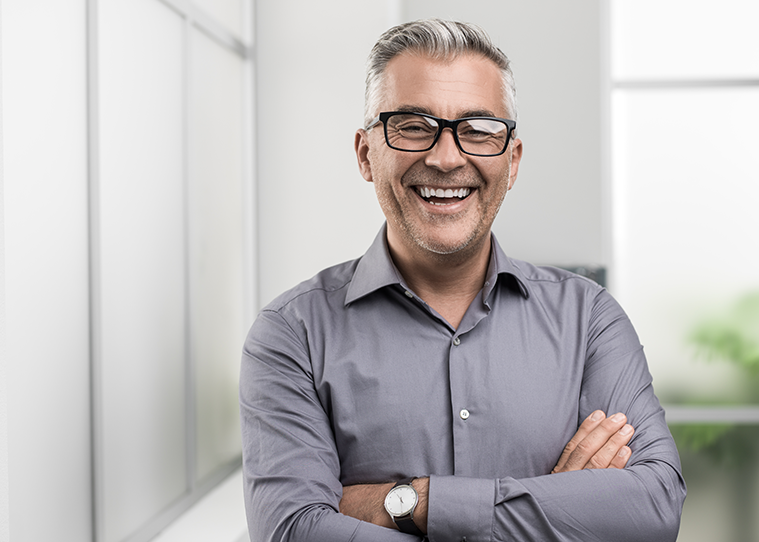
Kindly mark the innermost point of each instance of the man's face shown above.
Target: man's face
(471, 85)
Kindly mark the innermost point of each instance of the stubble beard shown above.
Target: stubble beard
(415, 231)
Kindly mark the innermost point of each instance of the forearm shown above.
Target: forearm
(639, 504)
(601, 501)
(284, 508)
(591, 495)
(366, 503)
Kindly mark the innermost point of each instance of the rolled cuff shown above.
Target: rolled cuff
(460, 509)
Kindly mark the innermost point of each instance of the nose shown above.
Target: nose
(445, 155)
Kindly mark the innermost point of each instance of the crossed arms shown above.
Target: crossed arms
(302, 485)
(599, 443)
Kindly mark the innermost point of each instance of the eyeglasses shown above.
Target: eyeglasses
(418, 132)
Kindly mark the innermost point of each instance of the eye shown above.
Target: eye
(415, 128)
(471, 132)
(412, 126)
(482, 129)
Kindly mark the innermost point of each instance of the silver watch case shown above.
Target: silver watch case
(401, 501)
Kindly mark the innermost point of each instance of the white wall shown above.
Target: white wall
(4, 500)
(316, 210)
(46, 268)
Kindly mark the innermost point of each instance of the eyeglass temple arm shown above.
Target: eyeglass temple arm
(374, 122)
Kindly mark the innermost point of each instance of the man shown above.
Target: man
(435, 386)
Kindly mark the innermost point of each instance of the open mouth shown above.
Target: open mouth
(440, 196)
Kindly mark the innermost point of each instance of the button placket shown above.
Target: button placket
(461, 402)
(463, 413)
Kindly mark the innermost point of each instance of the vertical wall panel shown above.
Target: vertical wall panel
(216, 247)
(45, 221)
(142, 262)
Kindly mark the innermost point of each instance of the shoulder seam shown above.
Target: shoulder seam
(570, 276)
(310, 290)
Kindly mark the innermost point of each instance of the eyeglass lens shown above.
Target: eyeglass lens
(412, 132)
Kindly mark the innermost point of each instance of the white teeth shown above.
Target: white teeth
(427, 192)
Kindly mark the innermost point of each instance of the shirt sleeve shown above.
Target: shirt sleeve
(640, 503)
(290, 462)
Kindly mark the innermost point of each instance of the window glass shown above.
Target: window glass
(216, 227)
(142, 262)
(686, 192)
(719, 466)
(671, 39)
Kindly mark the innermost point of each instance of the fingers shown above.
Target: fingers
(621, 458)
(598, 444)
(610, 450)
(590, 423)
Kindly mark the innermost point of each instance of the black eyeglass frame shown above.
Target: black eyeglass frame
(442, 124)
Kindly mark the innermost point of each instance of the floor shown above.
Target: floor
(218, 517)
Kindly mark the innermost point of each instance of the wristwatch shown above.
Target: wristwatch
(400, 503)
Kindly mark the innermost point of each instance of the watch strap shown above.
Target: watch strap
(406, 523)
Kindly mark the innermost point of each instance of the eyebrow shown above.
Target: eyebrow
(464, 114)
(414, 109)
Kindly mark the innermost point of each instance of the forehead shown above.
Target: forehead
(466, 85)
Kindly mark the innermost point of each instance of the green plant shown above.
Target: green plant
(733, 337)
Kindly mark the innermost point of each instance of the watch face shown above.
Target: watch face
(400, 500)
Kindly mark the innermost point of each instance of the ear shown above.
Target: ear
(361, 146)
(516, 157)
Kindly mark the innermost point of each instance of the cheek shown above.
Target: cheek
(390, 167)
(501, 176)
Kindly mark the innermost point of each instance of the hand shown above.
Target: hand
(366, 502)
(600, 443)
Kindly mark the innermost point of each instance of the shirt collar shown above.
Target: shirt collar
(376, 270)
(499, 265)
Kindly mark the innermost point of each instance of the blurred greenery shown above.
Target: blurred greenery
(731, 336)
(728, 445)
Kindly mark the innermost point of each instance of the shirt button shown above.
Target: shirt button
(464, 414)
(456, 341)
(409, 294)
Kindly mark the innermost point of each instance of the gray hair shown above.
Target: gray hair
(439, 39)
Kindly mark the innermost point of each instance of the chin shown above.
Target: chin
(445, 247)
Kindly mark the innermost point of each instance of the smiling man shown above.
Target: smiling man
(435, 387)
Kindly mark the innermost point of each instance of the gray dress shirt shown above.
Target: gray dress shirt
(351, 378)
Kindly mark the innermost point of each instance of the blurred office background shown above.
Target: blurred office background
(169, 166)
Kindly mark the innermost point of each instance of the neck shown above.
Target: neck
(446, 282)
